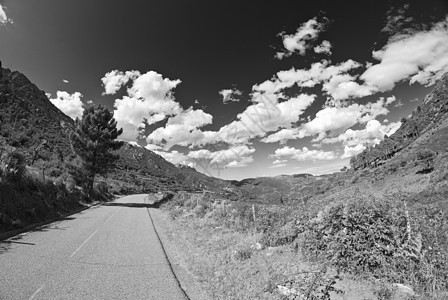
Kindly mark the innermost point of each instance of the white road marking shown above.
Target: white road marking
(111, 216)
(84, 243)
(35, 293)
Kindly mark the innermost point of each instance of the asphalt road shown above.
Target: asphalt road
(105, 252)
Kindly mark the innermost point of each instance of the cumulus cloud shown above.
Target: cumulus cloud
(149, 98)
(230, 95)
(281, 136)
(234, 157)
(336, 80)
(176, 157)
(355, 141)
(336, 119)
(114, 80)
(265, 115)
(181, 129)
(65, 81)
(350, 151)
(420, 56)
(303, 154)
(323, 48)
(301, 40)
(333, 120)
(3, 17)
(69, 104)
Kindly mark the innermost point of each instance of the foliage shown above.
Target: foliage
(359, 236)
(12, 165)
(94, 139)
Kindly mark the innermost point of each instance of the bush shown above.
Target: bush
(70, 184)
(280, 236)
(358, 237)
(425, 154)
(12, 165)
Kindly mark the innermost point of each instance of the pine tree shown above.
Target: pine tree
(93, 141)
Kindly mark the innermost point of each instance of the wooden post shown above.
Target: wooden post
(253, 212)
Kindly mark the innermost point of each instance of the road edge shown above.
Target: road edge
(10, 234)
(191, 289)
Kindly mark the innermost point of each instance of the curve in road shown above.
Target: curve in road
(106, 252)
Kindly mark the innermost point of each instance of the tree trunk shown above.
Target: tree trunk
(90, 186)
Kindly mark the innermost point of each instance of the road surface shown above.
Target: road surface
(106, 252)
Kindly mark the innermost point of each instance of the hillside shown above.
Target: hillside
(30, 123)
(39, 173)
(28, 119)
(425, 128)
(378, 230)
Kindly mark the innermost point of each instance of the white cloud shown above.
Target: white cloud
(181, 129)
(344, 86)
(337, 119)
(175, 157)
(355, 141)
(300, 41)
(114, 80)
(422, 55)
(230, 95)
(277, 166)
(303, 154)
(149, 98)
(397, 23)
(234, 157)
(333, 119)
(65, 81)
(352, 151)
(324, 48)
(282, 136)
(3, 17)
(326, 167)
(69, 104)
(264, 116)
(335, 79)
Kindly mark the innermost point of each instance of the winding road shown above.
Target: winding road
(106, 252)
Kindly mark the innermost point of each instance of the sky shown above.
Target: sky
(235, 89)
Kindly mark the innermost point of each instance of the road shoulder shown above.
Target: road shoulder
(186, 279)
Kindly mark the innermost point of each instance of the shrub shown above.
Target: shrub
(280, 236)
(70, 184)
(425, 153)
(59, 182)
(12, 165)
(358, 237)
(242, 254)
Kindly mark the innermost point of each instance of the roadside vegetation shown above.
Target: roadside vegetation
(34, 189)
(378, 230)
(356, 246)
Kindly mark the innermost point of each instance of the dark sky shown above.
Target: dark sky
(208, 45)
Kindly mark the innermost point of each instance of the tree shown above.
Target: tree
(93, 141)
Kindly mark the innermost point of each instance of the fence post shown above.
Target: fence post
(253, 212)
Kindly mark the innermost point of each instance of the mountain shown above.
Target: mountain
(425, 130)
(282, 189)
(30, 123)
(27, 117)
(413, 161)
